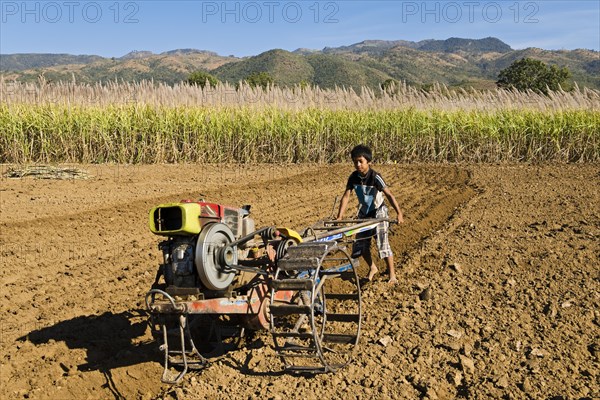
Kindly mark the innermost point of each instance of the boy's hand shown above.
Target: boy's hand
(400, 219)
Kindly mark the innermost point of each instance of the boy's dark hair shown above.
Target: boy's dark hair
(361, 151)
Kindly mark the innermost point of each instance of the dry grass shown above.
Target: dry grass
(103, 123)
(297, 98)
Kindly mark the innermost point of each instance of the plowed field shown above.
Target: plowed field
(499, 294)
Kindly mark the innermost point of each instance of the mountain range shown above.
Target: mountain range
(455, 62)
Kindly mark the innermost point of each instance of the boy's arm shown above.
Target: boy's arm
(392, 200)
(344, 203)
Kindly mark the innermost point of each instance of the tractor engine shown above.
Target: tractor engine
(194, 254)
(178, 267)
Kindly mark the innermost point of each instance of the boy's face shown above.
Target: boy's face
(361, 164)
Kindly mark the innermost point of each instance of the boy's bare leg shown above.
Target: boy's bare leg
(390, 264)
(373, 271)
(373, 268)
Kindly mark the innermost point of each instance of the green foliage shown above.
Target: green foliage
(304, 84)
(201, 78)
(260, 79)
(530, 74)
(389, 85)
(287, 69)
(336, 71)
(489, 44)
(144, 134)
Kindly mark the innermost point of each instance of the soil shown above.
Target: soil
(499, 293)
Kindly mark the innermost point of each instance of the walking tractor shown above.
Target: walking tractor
(221, 275)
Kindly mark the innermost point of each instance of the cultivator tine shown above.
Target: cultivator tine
(179, 357)
(165, 349)
(182, 356)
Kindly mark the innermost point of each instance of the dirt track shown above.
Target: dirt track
(499, 293)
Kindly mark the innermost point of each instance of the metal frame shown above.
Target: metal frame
(328, 232)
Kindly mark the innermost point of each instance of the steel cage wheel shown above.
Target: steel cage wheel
(318, 329)
(338, 309)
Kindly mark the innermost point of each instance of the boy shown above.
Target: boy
(370, 188)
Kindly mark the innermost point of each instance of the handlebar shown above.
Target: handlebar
(358, 221)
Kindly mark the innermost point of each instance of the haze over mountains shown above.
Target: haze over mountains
(455, 62)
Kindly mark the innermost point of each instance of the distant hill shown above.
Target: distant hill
(455, 62)
(331, 71)
(452, 45)
(170, 67)
(136, 55)
(290, 69)
(285, 67)
(22, 62)
(370, 46)
(489, 44)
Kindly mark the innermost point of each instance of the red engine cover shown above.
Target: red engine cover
(212, 212)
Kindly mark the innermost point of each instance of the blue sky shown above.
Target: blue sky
(113, 28)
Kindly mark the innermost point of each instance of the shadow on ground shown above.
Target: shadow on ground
(110, 340)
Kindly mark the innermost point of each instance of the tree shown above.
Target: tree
(389, 85)
(262, 79)
(531, 74)
(200, 78)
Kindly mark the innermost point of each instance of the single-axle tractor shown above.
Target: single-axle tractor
(220, 276)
